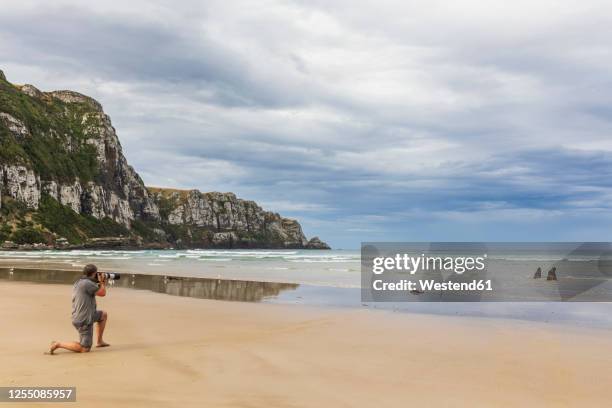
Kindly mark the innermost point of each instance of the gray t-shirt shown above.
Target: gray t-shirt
(84, 301)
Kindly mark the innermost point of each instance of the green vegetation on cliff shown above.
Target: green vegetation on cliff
(55, 147)
(52, 220)
(76, 228)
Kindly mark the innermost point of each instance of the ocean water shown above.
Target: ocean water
(309, 277)
(339, 268)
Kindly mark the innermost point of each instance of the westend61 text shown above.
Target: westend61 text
(431, 285)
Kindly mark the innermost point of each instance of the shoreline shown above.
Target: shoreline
(568, 314)
(181, 351)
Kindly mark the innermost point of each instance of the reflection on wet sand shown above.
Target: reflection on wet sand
(203, 288)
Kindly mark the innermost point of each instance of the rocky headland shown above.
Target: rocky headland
(64, 182)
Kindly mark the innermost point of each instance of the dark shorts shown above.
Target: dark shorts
(86, 330)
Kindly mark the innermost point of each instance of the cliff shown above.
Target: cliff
(64, 178)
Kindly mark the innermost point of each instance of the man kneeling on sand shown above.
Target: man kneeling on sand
(84, 313)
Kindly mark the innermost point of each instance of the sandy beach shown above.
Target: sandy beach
(176, 351)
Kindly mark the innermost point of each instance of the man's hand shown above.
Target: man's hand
(102, 282)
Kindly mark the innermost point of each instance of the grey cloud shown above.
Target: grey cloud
(389, 118)
(123, 48)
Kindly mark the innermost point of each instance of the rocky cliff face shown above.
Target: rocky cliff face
(63, 173)
(114, 190)
(222, 219)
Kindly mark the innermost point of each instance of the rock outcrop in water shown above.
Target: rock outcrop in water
(63, 175)
(538, 273)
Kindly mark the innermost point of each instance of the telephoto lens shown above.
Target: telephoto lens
(110, 276)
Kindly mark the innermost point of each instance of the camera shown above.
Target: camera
(108, 276)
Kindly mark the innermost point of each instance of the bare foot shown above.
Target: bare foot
(53, 347)
(102, 344)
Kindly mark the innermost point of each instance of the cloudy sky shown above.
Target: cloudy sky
(366, 120)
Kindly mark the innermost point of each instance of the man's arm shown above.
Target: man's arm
(102, 290)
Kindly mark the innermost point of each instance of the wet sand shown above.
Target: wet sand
(180, 351)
